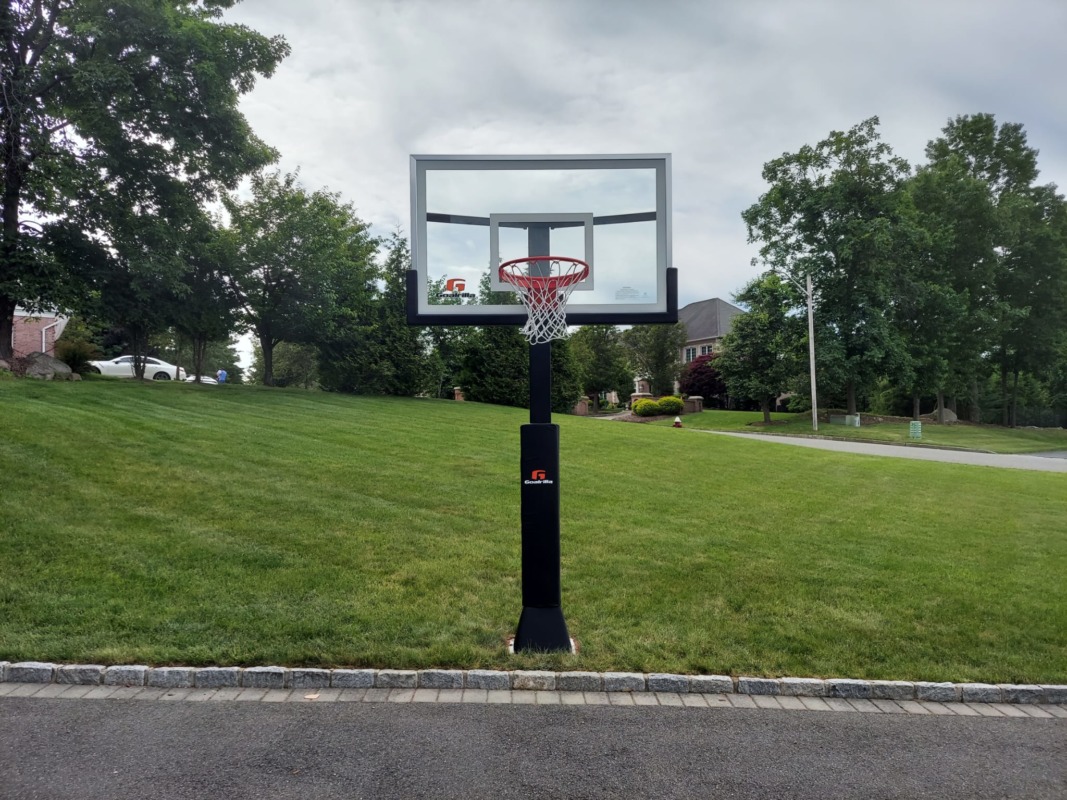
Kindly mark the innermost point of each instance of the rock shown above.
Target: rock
(5, 365)
(45, 368)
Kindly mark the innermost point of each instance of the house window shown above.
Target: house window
(707, 349)
(690, 354)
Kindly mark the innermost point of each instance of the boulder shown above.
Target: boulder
(43, 367)
(5, 365)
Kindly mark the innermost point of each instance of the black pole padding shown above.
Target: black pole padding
(541, 626)
(542, 630)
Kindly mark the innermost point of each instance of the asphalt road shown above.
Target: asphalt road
(58, 749)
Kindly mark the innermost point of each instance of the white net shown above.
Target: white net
(544, 285)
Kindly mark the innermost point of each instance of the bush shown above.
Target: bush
(646, 408)
(670, 405)
(77, 353)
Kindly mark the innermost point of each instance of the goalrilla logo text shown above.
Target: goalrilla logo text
(537, 477)
(456, 288)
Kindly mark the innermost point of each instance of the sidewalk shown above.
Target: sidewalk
(531, 697)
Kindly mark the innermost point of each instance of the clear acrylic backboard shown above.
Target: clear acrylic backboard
(469, 214)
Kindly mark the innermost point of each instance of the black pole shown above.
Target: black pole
(541, 626)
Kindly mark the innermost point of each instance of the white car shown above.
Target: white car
(204, 379)
(154, 369)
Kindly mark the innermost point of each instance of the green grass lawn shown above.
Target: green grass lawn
(165, 523)
(989, 438)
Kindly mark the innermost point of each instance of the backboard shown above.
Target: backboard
(469, 214)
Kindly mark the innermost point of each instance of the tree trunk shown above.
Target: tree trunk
(139, 345)
(199, 349)
(1015, 398)
(940, 407)
(851, 394)
(951, 405)
(915, 406)
(765, 407)
(266, 344)
(7, 327)
(976, 408)
(1004, 405)
(14, 174)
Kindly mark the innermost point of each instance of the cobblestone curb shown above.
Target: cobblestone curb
(616, 683)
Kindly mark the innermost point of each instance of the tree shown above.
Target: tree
(760, 354)
(207, 311)
(834, 211)
(701, 377)
(943, 305)
(114, 105)
(655, 353)
(294, 365)
(302, 264)
(1022, 267)
(601, 361)
(378, 352)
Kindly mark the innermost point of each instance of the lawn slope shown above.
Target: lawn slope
(164, 523)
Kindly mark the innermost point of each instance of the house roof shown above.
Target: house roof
(708, 319)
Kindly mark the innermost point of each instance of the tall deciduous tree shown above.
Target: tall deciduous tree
(759, 359)
(302, 263)
(655, 353)
(207, 310)
(601, 359)
(109, 105)
(1020, 274)
(833, 211)
(944, 295)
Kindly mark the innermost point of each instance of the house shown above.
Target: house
(706, 322)
(36, 333)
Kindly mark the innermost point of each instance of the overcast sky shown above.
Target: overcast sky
(722, 86)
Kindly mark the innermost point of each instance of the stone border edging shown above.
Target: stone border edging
(310, 678)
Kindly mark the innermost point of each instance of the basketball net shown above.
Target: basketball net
(544, 284)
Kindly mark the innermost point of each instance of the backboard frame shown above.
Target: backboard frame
(664, 309)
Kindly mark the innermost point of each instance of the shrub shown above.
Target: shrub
(670, 405)
(646, 408)
(76, 353)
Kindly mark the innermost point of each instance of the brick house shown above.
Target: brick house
(36, 333)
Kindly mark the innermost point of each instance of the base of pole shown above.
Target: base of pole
(544, 630)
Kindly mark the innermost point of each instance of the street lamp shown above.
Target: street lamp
(807, 290)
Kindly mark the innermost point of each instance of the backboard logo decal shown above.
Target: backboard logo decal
(456, 289)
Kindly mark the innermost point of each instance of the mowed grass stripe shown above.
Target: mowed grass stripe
(235, 525)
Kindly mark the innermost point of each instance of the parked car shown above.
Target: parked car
(154, 369)
(203, 379)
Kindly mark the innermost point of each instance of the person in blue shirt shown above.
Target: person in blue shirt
(220, 376)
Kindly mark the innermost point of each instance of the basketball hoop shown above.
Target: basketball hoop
(544, 284)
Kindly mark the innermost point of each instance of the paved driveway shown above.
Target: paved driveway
(1041, 463)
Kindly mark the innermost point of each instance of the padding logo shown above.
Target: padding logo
(537, 476)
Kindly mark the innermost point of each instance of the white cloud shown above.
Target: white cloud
(724, 87)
